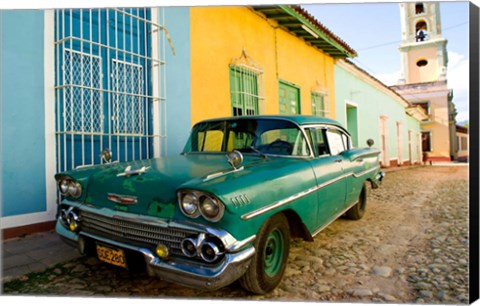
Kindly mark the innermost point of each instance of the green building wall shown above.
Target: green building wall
(361, 101)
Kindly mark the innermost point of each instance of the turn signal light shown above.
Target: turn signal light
(162, 251)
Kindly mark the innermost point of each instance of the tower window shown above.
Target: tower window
(422, 63)
(419, 8)
(421, 30)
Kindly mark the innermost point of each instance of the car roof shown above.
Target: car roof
(298, 119)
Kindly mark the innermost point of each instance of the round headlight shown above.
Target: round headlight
(190, 205)
(63, 186)
(211, 209)
(75, 189)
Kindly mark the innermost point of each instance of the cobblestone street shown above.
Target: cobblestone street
(411, 247)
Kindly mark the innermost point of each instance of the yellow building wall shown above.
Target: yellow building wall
(439, 126)
(219, 34)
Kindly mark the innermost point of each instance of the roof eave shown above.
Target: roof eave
(300, 23)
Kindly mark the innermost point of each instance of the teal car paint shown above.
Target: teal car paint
(226, 207)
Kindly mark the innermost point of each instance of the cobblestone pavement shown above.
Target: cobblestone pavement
(411, 247)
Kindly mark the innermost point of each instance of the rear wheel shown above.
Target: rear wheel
(357, 211)
(268, 264)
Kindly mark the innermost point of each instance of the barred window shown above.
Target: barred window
(246, 86)
(319, 104)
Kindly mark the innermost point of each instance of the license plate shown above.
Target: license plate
(111, 256)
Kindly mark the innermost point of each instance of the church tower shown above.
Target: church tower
(423, 49)
(423, 80)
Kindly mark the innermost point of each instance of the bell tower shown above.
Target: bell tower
(423, 49)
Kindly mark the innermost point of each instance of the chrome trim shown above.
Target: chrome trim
(240, 200)
(230, 243)
(292, 198)
(128, 171)
(302, 194)
(238, 245)
(214, 276)
(362, 155)
(221, 173)
(356, 175)
(119, 198)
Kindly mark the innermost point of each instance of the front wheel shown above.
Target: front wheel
(358, 210)
(268, 264)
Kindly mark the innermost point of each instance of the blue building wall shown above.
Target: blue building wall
(178, 87)
(22, 124)
(22, 129)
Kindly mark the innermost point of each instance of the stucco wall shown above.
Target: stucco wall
(178, 115)
(438, 124)
(22, 115)
(426, 73)
(373, 102)
(219, 34)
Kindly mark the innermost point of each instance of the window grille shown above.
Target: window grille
(110, 85)
(246, 86)
(319, 104)
(127, 105)
(82, 83)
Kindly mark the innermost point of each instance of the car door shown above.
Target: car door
(328, 166)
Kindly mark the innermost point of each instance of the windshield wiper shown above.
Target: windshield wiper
(258, 152)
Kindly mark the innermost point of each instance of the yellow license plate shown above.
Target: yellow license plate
(111, 256)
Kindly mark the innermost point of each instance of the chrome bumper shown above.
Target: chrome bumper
(182, 272)
(378, 179)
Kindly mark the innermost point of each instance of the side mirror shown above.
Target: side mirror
(370, 142)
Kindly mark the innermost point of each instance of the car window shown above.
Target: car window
(210, 141)
(337, 141)
(319, 143)
(265, 136)
(289, 141)
(239, 140)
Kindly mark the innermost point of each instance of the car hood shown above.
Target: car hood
(150, 185)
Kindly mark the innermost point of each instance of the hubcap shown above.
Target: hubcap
(273, 253)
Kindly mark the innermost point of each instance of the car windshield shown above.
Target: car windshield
(256, 136)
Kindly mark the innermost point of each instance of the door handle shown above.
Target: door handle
(338, 160)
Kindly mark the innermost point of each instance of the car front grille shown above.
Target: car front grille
(133, 232)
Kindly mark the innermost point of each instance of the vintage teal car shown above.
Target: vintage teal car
(226, 208)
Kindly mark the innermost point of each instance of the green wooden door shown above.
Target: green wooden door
(289, 99)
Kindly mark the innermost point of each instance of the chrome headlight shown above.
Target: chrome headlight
(189, 205)
(63, 186)
(196, 203)
(211, 209)
(70, 187)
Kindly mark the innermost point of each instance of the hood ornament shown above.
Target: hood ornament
(235, 159)
(129, 172)
(106, 156)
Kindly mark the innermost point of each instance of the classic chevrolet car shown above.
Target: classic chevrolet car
(226, 208)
